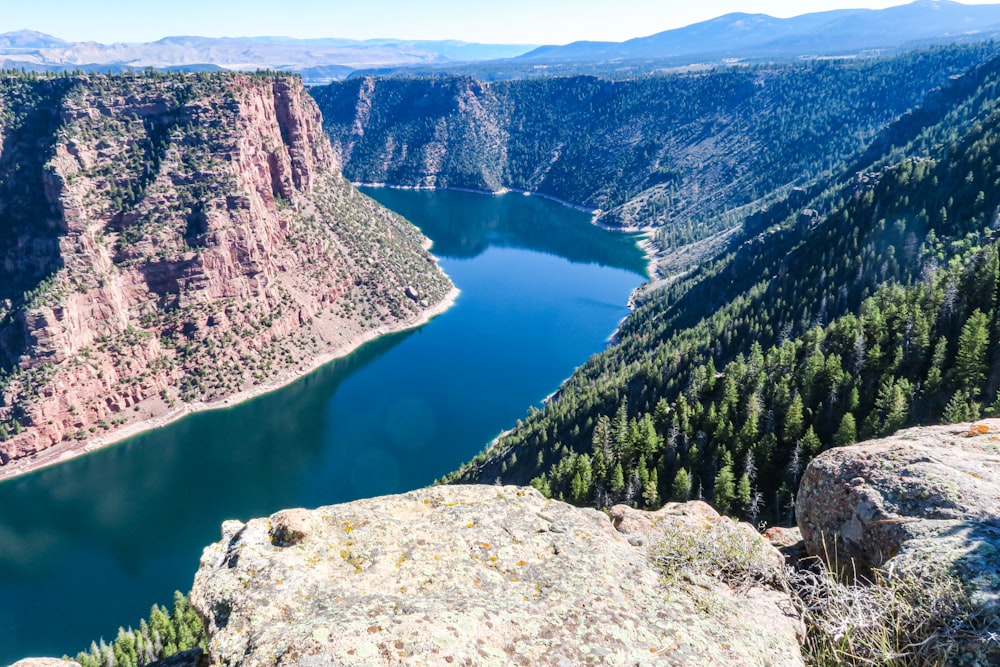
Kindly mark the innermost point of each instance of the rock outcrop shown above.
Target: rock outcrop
(478, 575)
(169, 240)
(921, 500)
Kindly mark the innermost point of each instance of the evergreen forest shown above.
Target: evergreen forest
(861, 305)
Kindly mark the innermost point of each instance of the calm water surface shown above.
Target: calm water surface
(89, 545)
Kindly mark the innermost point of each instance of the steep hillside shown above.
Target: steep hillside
(869, 307)
(173, 240)
(672, 151)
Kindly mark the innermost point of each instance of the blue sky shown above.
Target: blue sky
(496, 21)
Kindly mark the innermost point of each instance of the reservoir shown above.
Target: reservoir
(89, 545)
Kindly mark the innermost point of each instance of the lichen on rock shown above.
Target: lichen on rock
(922, 506)
(480, 575)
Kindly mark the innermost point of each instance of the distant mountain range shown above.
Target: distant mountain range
(733, 36)
(318, 60)
(839, 32)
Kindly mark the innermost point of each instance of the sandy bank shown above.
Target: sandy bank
(65, 451)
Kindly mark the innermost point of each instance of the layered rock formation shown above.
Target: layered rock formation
(480, 575)
(174, 240)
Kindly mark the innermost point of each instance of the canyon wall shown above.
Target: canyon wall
(674, 150)
(168, 240)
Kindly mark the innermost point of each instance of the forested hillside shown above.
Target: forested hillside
(676, 150)
(867, 307)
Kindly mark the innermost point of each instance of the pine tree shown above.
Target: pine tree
(892, 405)
(744, 494)
(970, 360)
(651, 492)
(680, 490)
(810, 443)
(961, 408)
(582, 481)
(642, 473)
(617, 478)
(847, 432)
(724, 490)
(124, 649)
(794, 422)
(933, 381)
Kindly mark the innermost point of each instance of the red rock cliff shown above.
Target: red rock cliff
(200, 242)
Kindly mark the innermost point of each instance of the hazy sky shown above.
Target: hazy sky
(496, 21)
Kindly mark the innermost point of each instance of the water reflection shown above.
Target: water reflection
(513, 221)
(87, 546)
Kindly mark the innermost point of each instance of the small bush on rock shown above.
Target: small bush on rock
(723, 550)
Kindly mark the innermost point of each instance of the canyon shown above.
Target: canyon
(173, 241)
(848, 287)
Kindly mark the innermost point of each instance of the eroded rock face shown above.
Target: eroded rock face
(190, 238)
(473, 575)
(923, 498)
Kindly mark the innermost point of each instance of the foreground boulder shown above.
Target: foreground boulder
(923, 499)
(477, 575)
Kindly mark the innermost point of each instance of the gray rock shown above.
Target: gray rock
(45, 662)
(789, 543)
(923, 503)
(476, 575)
(191, 658)
(865, 503)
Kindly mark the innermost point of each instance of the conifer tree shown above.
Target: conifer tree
(794, 422)
(651, 492)
(617, 478)
(724, 488)
(970, 360)
(847, 432)
(744, 494)
(680, 490)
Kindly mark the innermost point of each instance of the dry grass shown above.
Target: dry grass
(897, 620)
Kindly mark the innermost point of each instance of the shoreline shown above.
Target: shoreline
(67, 450)
(496, 193)
(644, 243)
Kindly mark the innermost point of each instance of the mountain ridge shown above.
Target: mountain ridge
(822, 33)
(318, 60)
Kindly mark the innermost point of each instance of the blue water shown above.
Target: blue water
(89, 545)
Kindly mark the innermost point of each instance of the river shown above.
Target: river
(88, 545)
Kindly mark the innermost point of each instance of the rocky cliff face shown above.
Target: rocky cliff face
(481, 575)
(169, 240)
